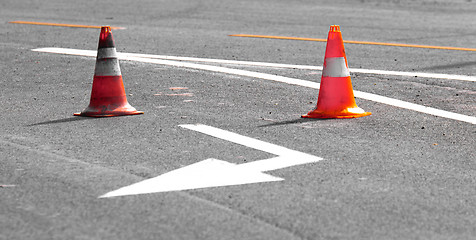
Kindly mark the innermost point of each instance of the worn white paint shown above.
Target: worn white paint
(92, 53)
(204, 174)
(295, 81)
(216, 173)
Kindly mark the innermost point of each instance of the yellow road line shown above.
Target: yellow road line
(356, 42)
(60, 24)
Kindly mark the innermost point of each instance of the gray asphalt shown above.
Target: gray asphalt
(397, 174)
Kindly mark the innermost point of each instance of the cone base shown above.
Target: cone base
(114, 114)
(343, 114)
(99, 112)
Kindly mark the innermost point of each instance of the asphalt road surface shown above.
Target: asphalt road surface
(408, 171)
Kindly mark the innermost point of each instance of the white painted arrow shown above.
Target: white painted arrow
(216, 173)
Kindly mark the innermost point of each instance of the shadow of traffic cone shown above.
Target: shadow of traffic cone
(108, 97)
(336, 96)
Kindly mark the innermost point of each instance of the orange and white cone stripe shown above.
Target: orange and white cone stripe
(107, 63)
(336, 67)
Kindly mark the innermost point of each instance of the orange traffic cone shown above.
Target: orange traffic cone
(108, 97)
(336, 96)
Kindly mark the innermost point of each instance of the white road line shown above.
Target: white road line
(415, 74)
(287, 157)
(224, 61)
(262, 64)
(307, 67)
(292, 81)
(218, 173)
(240, 139)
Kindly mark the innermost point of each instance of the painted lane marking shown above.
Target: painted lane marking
(204, 174)
(60, 24)
(416, 74)
(92, 53)
(218, 173)
(276, 78)
(287, 157)
(356, 42)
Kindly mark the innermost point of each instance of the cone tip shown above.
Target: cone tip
(105, 31)
(334, 28)
(105, 37)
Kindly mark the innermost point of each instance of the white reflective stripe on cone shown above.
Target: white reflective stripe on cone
(335, 67)
(106, 53)
(107, 67)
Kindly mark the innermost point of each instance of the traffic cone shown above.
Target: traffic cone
(108, 97)
(336, 96)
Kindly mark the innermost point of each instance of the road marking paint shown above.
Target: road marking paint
(204, 174)
(356, 42)
(307, 67)
(178, 88)
(60, 24)
(415, 74)
(91, 53)
(246, 141)
(180, 94)
(276, 78)
(286, 157)
(217, 173)
(415, 107)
